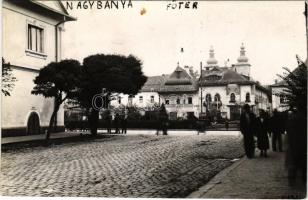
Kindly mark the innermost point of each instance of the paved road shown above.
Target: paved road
(120, 166)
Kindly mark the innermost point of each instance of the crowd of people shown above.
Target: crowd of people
(263, 126)
(119, 122)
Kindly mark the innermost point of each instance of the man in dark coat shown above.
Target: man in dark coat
(262, 133)
(277, 130)
(108, 120)
(296, 154)
(247, 121)
(124, 124)
(116, 123)
(162, 120)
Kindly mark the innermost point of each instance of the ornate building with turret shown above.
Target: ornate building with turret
(224, 90)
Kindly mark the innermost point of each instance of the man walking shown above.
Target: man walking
(124, 124)
(277, 131)
(247, 128)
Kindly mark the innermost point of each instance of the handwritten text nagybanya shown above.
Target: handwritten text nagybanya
(122, 4)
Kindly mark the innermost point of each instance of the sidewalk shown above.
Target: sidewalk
(28, 138)
(256, 178)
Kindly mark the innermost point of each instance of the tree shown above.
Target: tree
(107, 74)
(7, 78)
(57, 80)
(296, 89)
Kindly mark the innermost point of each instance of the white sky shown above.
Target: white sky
(273, 32)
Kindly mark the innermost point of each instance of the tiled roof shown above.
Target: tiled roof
(179, 77)
(281, 83)
(225, 76)
(179, 81)
(154, 83)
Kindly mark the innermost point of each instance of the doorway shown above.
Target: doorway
(33, 125)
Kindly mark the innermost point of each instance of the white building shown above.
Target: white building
(179, 93)
(31, 38)
(224, 90)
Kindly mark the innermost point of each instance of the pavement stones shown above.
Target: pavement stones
(122, 166)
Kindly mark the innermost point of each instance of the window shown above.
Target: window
(232, 98)
(189, 100)
(130, 99)
(167, 101)
(152, 99)
(173, 115)
(217, 97)
(283, 98)
(213, 78)
(35, 39)
(247, 97)
(178, 101)
(119, 100)
(140, 99)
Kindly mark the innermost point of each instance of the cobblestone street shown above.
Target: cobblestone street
(119, 166)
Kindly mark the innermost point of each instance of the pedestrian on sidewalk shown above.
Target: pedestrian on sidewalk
(227, 123)
(108, 120)
(124, 124)
(116, 123)
(262, 133)
(277, 129)
(162, 120)
(247, 123)
(296, 154)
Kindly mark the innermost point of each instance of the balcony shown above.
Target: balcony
(179, 105)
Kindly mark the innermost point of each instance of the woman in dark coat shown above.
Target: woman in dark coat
(262, 133)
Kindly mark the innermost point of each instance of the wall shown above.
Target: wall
(17, 107)
(183, 107)
(14, 37)
(135, 100)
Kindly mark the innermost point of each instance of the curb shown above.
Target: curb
(215, 180)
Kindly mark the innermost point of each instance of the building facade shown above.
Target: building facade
(31, 38)
(224, 90)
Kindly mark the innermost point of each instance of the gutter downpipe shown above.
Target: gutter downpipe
(200, 88)
(57, 58)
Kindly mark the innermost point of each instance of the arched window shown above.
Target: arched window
(217, 97)
(232, 98)
(208, 98)
(247, 97)
(178, 101)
